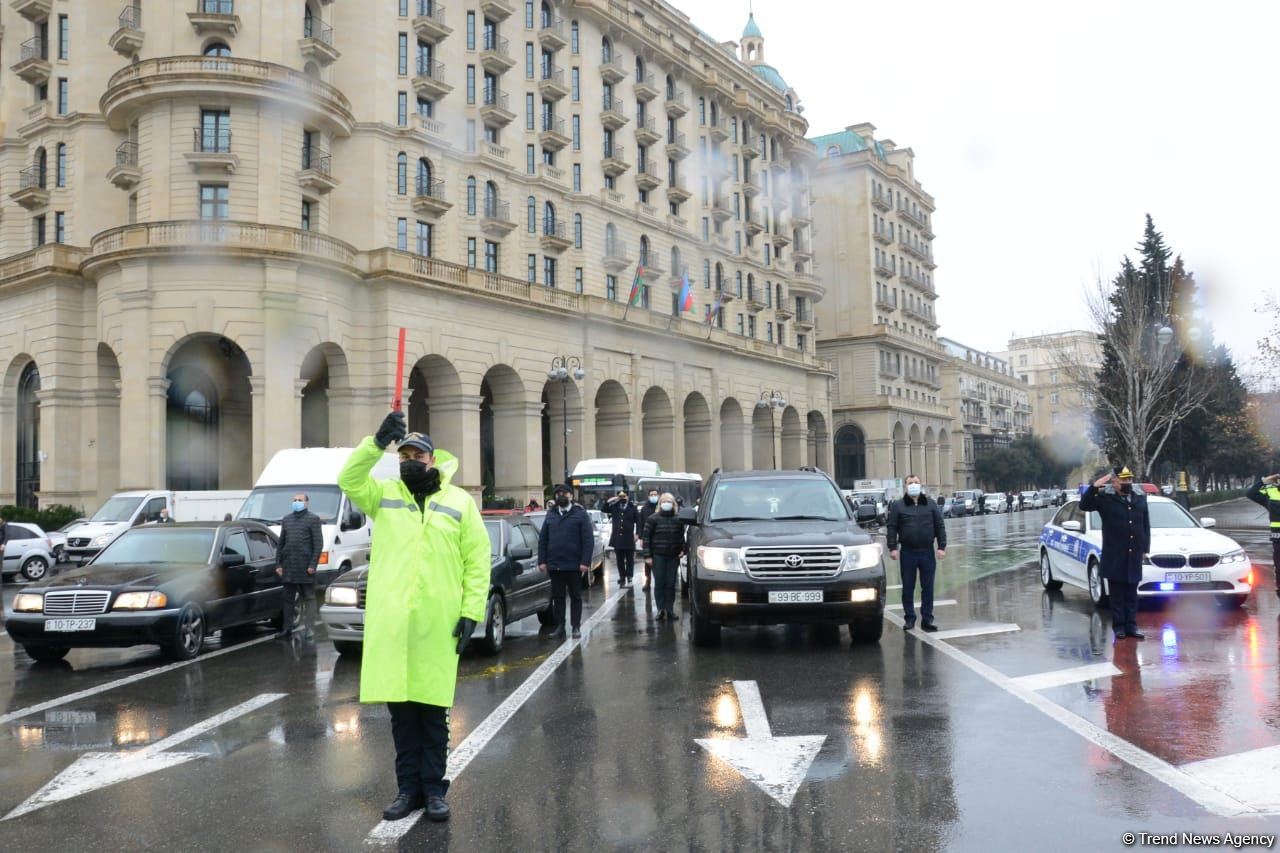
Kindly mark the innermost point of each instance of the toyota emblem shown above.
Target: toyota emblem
(794, 561)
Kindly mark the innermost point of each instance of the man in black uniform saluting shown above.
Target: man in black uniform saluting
(1126, 541)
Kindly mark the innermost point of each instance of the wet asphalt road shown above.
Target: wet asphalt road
(929, 745)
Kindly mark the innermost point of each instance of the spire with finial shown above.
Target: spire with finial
(752, 38)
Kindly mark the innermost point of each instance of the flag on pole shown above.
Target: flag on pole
(714, 308)
(634, 298)
(686, 295)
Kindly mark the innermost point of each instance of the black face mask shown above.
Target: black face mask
(420, 479)
(562, 500)
(1126, 488)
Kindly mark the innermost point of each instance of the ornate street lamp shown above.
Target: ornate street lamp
(564, 368)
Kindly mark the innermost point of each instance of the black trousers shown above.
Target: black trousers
(665, 571)
(567, 583)
(626, 563)
(1124, 605)
(298, 595)
(421, 734)
(926, 564)
(1275, 556)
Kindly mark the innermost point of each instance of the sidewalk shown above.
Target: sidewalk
(1237, 514)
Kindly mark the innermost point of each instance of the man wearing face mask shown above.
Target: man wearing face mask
(915, 524)
(649, 508)
(428, 583)
(297, 555)
(565, 546)
(665, 534)
(624, 518)
(1126, 540)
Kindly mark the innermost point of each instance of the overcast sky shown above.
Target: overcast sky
(1046, 131)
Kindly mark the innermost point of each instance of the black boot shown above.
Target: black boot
(437, 809)
(402, 806)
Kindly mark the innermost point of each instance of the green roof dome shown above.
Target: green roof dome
(753, 30)
(771, 76)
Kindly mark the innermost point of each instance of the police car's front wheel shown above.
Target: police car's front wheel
(1097, 586)
(1046, 573)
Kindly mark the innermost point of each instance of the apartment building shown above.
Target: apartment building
(992, 404)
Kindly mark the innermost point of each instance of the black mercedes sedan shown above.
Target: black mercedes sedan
(169, 585)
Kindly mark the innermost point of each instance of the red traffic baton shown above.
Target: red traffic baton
(396, 399)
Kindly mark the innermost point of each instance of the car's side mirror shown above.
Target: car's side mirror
(231, 561)
(1208, 522)
(353, 521)
(1073, 526)
(688, 516)
(520, 552)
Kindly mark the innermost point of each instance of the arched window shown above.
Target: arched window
(644, 251)
(738, 283)
(791, 106)
(490, 198)
(751, 286)
(778, 298)
(773, 148)
(42, 168)
(402, 173)
(471, 195)
(424, 176)
(217, 48)
(574, 44)
(308, 22)
(639, 70)
(715, 113)
(676, 269)
(311, 70)
(606, 50)
(531, 214)
(763, 148)
(577, 231)
(833, 150)
(60, 165)
(28, 480)
(851, 456)
(671, 88)
(548, 17)
(719, 276)
(548, 218)
(610, 240)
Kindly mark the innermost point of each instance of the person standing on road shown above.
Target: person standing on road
(664, 533)
(566, 544)
(1266, 494)
(4, 535)
(915, 525)
(298, 554)
(624, 518)
(1126, 541)
(649, 508)
(428, 585)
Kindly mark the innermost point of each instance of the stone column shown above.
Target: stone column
(880, 458)
(517, 435)
(63, 465)
(9, 441)
(341, 405)
(455, 427)
(280, 365)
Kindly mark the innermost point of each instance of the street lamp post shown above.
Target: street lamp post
(774, 399)
(564, 368)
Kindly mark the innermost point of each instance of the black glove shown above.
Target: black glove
(392, 429)
(463, 632)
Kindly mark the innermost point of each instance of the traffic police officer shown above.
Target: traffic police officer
(1266, 493)
(1126, 541)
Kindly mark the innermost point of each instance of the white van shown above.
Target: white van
(129, 509)
(314, 472)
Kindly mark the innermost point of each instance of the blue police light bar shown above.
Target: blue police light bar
(1167, 586)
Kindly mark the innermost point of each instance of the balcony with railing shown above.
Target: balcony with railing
(614, 160)
(33, 10)
(495, 54)
(882, 236)
(678, 193)
(551, 175)
(495, 218)
(429, 21)
(884, 303)
(555, 237)
(552, 33)
(751, 186)
(645, 88)
(317, 170)
(428, 80)
(914, 217)
(33, 188)
(317, 41)
(612, 69)
(611, 114)
(211, 151)
(495, 109)
(676, 103)
(881, 201)
(33, 61)
(498, 10)
(647, 177)
(429, 197)
(551, 133)
(718, 130)
(126, 173)
(128, 37)
(215, 17)
(884, 270)
(647, 132)
(616, 257)
(677, 147)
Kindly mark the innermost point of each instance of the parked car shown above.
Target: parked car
(516, 589)
(950, 507)
(169, 585)
(58, 538)
(1187, 557)
(28, 552)
(597, 556)
(1031, 500)
(871, 506)
(969, 500)
(125, 510)
(781, 547)
(602, 526)
(994, 502)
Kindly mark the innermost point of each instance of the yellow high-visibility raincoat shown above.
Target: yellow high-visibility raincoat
(427, 569)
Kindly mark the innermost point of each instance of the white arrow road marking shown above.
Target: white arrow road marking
(95, 770)
(1247, 776)
(775, 765)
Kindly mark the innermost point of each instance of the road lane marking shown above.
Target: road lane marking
(894, 586)
(1195, 789)
(1073, 675)
(775, 765)
(1252, 777)
(975, 631)
(121, 682)
(390, 831)
(95, 770)
(945, 602)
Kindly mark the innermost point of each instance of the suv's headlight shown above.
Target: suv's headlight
(1237, 556)
(860, 557)
(341, 596)
(721, 559)
(102, 540)
(28, 602)
(140, 601)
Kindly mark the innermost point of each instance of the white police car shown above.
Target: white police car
(1186, 558)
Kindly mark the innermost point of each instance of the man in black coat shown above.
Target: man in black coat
(301, 543)
(565, 547)
(649, 508)
(915, 525)
(1126, 542)
(624, 518)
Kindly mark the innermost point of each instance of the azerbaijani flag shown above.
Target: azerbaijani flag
(713, 310)
(686, 295)
(634, 298)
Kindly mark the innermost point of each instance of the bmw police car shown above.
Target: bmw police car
(1186, 558)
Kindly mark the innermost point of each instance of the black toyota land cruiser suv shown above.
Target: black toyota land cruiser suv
(781, 547)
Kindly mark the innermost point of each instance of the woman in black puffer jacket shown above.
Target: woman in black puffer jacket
(664, 537)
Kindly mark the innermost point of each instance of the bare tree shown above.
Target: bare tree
(1160, 385)
(1267, 363)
